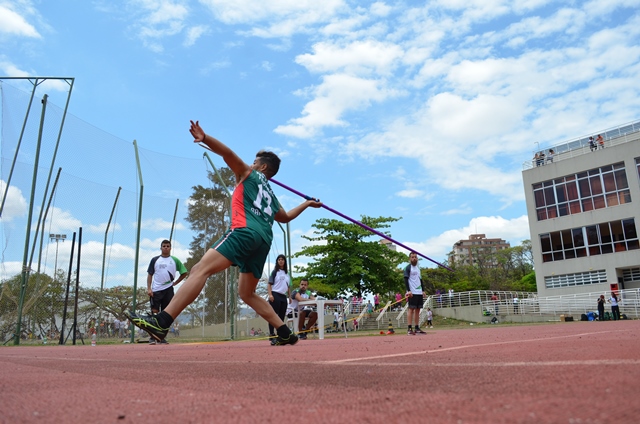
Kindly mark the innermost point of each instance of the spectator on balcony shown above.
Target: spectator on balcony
(600, 141)
(550, 155)
(537, 160)
(592, 144)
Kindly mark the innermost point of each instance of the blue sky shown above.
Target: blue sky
(419, 110)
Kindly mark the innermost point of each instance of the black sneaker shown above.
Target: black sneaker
(292, 339)
(302, 336)
(273, 341)
(148, 323)
(419, 331)
(164, 341)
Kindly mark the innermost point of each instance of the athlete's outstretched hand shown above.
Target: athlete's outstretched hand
(314, 203)
(197, 132)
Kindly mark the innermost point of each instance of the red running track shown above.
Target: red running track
(577, 372)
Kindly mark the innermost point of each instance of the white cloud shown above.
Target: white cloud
(512, 230)
(12, 22)
(15, 205)
(363, 58)
(159, 224)
(194, 33)
(410, 193)
(61, 222)
(337, 94)
(100, 228)
(281, 18)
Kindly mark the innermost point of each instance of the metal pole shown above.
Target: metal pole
(53, 161)
(104, 255)
(137, 258)
(75, 307)
(66, 296)
(44, 218)
(231, 293)
(15, 157)
(25, 270)
(173, 223)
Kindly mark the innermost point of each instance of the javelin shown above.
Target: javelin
(366, 227)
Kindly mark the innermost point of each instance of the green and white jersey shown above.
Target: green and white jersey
(255, 206)
(164, 271)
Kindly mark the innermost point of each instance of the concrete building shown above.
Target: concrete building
(584, 211)
(467, 252)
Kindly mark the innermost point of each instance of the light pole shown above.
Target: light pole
(57, 238)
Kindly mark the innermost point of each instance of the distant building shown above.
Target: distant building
(476, 249)
(584, 211)
(389, 244)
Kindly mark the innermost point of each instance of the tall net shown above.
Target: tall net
(93, 190)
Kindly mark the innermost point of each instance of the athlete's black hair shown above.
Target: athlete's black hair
(271, 160)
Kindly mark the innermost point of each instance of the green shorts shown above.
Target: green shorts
(245, 249)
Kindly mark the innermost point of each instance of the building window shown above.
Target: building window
(594, 189)
(578, 279)
(592, 240)
(638, 167)
(630, 275)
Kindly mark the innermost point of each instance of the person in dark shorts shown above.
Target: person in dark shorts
(279, 291)
(298, 295)
(160, 279)
(415, 294)
(246, 244)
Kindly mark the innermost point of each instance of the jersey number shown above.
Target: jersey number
(258, 202)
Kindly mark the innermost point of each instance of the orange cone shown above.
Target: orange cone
(391, 330)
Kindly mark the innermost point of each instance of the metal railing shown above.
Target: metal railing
(531, 303)
(580, 146)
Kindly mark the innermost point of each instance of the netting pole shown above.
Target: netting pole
(25, 268)
(43, 218)
(232, 292)
(75, 305)
(15, 157)
(137, 258)
(173, 223)
(104, 256)
(46, 188)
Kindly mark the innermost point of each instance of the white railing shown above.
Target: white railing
(580, 146)
(629, 303)
(531, 303)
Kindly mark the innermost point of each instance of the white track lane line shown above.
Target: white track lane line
(448, 349)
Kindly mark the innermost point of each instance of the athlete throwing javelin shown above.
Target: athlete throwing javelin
(246, 244)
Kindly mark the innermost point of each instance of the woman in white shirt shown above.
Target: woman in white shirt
(279, 291)
(615, 309)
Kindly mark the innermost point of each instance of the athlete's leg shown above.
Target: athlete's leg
(247, 290)
(211, 263)
(313, 317)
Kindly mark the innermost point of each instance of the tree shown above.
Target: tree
(208, 216)
(114, 300)
(346, 262)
